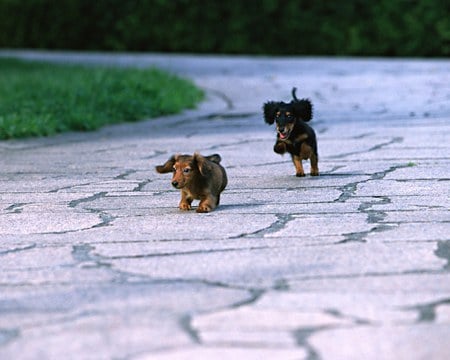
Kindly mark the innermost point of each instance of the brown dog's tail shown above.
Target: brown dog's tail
(302, 108)
(204, 162)
(209, 164)
(214, 158)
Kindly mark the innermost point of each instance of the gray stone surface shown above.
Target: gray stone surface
(97, 262)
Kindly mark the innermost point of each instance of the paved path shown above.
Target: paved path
(97, 262)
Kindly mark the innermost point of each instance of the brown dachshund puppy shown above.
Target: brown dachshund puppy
(198, 177)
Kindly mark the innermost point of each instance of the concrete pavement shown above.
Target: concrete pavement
(97, 262)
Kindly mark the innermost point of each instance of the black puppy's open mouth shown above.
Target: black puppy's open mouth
(284, 134)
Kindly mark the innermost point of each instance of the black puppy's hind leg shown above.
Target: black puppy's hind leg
(314, 165)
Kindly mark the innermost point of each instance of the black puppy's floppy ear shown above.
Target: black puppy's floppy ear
(270, 109)
(302, 109)
(203, 164)
(167, 166)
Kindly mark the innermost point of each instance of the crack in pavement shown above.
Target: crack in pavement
(8, 335)
(83, 257)
(195, 334)
(427, 312)
(221, 95)
(105, 218)
(18, 249)
(366, 275)
(16, 208)
(443, 252)
(302, 334)
(373, 148)
(301, 338)
(277, 225)
(231, 144)
(186, 326)
(373, 216)
(124, 175)
(255, 295)
(281, 285)
(94, 197)
(362, 136)
(221, 116)
(348, 190)
(360, 236)
(338, 314)
(83, 254)
(211, 117)
(141, 185)
(182, 253)
(69, 187)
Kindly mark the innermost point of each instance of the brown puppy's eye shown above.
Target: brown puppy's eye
(174, 168)
(186, 170)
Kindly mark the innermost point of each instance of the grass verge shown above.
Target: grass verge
(41, 99)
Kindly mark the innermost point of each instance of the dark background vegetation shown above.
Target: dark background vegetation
(285, 27)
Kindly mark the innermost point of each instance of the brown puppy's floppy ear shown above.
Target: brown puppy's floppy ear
(167, 167)
(203, 164)
(270, 110)
(302, 109)
(214, 158)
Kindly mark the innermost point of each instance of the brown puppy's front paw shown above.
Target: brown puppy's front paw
(315, 172)
(279, 148)
(300, 174)
(184, 206)
(203, 209)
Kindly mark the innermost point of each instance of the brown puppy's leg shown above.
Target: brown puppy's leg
(314, 165)
(186, 201)
(207, 204)
(298, 165)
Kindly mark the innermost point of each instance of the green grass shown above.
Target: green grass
(39, 99)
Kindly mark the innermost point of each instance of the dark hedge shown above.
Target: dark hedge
(313, 27)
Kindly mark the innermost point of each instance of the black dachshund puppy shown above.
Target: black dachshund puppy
(294, 135)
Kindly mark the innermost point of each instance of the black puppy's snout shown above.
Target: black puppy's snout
(175, 183)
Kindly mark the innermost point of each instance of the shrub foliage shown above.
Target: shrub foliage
(298, 27)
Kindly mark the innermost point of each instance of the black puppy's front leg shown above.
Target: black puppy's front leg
(280, 147)
(297, 160)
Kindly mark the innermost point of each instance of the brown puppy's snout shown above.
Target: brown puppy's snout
(182, 175)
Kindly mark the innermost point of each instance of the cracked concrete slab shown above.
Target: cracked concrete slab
(401, 342)
(96, 259)
(228, 353)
